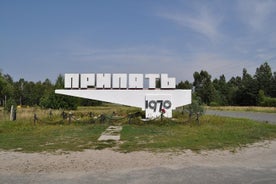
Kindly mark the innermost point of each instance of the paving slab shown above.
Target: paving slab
(111, 133)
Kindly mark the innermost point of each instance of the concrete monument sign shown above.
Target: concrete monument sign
(130, 90)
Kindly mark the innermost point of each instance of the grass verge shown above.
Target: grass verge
(213, 133)
(26, 137)
(243, 108)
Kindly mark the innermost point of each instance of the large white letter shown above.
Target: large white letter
(87, 80)
(71, 80)
(166, 82)
(103, 80)
(119, 81)
(135, 81)
(152, 80)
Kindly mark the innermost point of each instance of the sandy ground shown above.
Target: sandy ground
(255, 156)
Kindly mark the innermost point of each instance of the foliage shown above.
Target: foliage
(204, 87)
(25, 93)
(222, 89)
(266, 101)
(195, 107)
(184, 85)
(238, 91)
(263, 77)
(6, 88)
(10, 103)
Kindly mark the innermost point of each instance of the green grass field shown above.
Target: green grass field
(54, 134)
(37, 138)
(212, 133)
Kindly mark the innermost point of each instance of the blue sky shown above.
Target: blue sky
(42, 39)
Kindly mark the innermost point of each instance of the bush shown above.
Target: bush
(195, 109)
(214, 104)
(266, 101)
(269, 102)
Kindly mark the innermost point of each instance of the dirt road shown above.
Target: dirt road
(253, 164)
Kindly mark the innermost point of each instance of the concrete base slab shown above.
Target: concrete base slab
(109, 138)
(111, 133)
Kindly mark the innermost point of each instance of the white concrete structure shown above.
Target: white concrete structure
(116, 81)
(129, 90)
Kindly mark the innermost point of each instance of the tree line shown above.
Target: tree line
(246, 90)
(29, 93)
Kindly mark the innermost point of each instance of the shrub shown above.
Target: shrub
(269, 102)
(214, 104)
(265, 100)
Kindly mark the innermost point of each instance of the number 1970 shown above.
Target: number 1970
(158, 105)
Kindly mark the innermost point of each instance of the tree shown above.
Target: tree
(234, 85)
(59, 82)
(264, 76)
(222, 91)
(247, 93)
(273, 86)
(55, 101)
(184, 85)
(30, 94)
(261, 98)
(6, 88)
(204, 87)
(19, 87)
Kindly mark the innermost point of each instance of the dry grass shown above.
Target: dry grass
(27, 113)
(244, 108)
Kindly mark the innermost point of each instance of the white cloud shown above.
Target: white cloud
(216, 65)
(155, 59)
(255, 13)
(144, 54)
(204, 22)
(125, 59)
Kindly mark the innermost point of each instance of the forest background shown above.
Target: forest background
(246, 90)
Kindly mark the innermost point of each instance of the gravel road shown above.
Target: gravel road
(258, 116)
(162, 175)
(249, 165)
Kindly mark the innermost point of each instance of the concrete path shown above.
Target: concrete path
(258, 116)
(111, 133)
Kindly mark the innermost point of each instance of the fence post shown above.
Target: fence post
(70, 117)
(11, 114)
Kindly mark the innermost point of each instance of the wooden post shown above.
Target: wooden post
(11, 114)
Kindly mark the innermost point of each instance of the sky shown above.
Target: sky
(42, 39)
